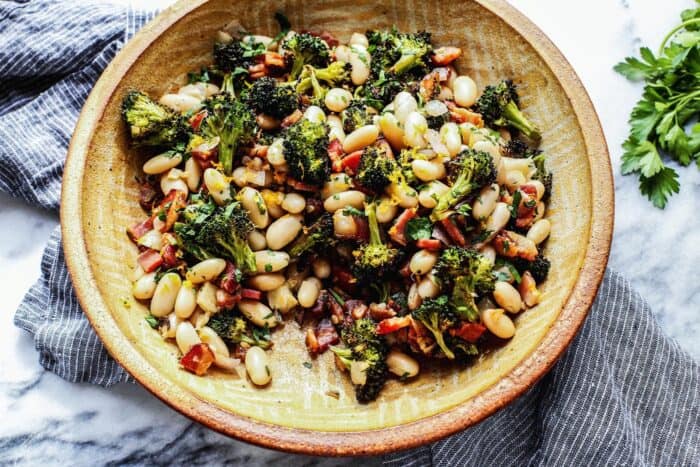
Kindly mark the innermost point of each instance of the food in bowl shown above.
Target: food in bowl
(364, 189)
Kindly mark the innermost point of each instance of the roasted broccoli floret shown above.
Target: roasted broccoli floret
(233, 122)
(306, 152)
(381, 89)
(365, 356)
(355, 116)
(316, 238)
(305, 49)
(376, 169)
(519, 149)
(237, 55)
(539, 267)
(206, 230)
(151, 124)
(320, 80)
(375, 259)
(498, 105)
(271, 98)
(468, 172)
(397, 53)
(234, 329)
(455, 262)
(437, 315)
(543, 175)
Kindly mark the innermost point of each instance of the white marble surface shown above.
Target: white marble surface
(49, 422)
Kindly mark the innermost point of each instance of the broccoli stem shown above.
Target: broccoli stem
(375, 237)
(405, 63)
(516, 119)
(440, 339)
(459, 189)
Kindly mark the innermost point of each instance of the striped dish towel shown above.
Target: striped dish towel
(623, 394)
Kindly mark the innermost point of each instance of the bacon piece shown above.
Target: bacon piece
(326, 335)
(380, 311)
(251, 294)
(419, 338)
(169, 254)
(344, 279)
(443, 56)
(321, 305)
(511, 245)
(178, 201)
(429, 244)
(206, 151)
(389, 325)
(273, 60)
(228, 280)
(137, 230)
(461, 115)
(356, 308)
(301, 186)
(197, 119)
(198, 360)
(335, 154)
(470, 332)
(291, 119)
(226, 300)
(453, 232)
(148, 195)
(397, 232)
(351, 162)
(149, 260)
(527, 209)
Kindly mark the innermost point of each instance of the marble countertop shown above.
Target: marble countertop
(48, 421)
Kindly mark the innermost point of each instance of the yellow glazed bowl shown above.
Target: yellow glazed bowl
(295, 412)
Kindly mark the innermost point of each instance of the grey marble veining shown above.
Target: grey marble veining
(46, 421)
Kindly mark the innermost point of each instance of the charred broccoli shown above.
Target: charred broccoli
(355, 116)
(437, 315)
(319, 80)
(538, 267)
(206, 230)
(543, 175)
(365, 356)
(305, 49)
(237, 55)
(519, 149)
(314, 239)
(468, 172)
(233, 122)
(271, 98)
(306, 152)
(398, 53)
(498, 105)
(151, 124)
(375, 259)
(234, 329)
(376, 169)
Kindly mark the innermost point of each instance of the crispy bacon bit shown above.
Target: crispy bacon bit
(511, 245)
(321, 305)
(344, 279)
(257, 70)
(273, 60)
(443, 56)
(355, 308)
(419, 338)
(169, 254)
(397, 232)
(461, 115)
(291, 119)
(226, 300)
(528, 290)
(470, 332)
(149, 260)
(178, 200)
(380, 311)
(430, 86)
(361, 228)
(453, 232)
(311, 341)
(429, 244)
(389, 325)
(301, 186)
(137, 230)
(228, 280)
(197, 119)
(198, 360)
(527, 207)
(259, 150)
(335, 154)
(251, 294)
(325, 335)
(148, 195)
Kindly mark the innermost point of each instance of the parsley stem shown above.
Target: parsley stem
(674, 31)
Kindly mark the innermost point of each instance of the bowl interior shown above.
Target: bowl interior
(298, 397)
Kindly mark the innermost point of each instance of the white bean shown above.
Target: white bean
(464, 91)
(342, 53)
(192, 90)
(358, 38)
(344, 226)
(405, 196)
(401, 364)
(360, 138)
(180, 102)
(449, 132)
(428, 171)
(404, 104)
(206, 270)
(386, 210)
(525, 166)
(489, 148)
(186, 337)
(282, 299)
(485, 203)
(428, 287)
(338, 183)
(267, 282)
(152, 239)
(322, 268)
(256, 240)
(193, 174)
(335, 129)
(507, 297)
(170, 327)
(264, 40)
(240, 176)
(392, 131)
(540, 210)
(315, 114)
(173, 181)
(296, 275)
(429, 194)
(308, 292)
(186, 300)
(415, 127)
(206, 298)
(253, 202)
(208, 88)
(514, 179)
(353, 198)
(414, 299)
(271, 261)
(257, 312)
(422, 261)
(273, 202)
(497, 220)
(539, 188)
(165, 294)
(498, 323)
(161, 163)
(258, 366)
(217, 185)
(337, 99)
(145, 286)
(358, 372)
(293, 203)
(489, 253)
(214, 341)
(359, 61)
(275, 153)
(539, 231)
(281, 232)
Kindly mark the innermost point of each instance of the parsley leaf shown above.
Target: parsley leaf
(419, 227)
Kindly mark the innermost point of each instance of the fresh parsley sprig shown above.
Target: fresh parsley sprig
(671, 99)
